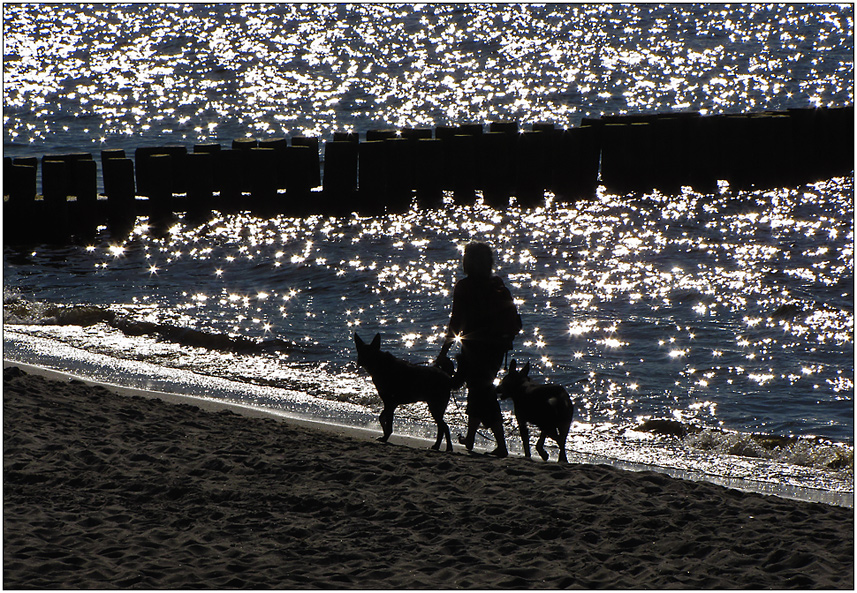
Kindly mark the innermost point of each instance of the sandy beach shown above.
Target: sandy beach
(109, 491)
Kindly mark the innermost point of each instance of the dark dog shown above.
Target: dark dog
(546, 406)
(399, 382)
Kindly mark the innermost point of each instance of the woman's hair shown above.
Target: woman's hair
(478, 260)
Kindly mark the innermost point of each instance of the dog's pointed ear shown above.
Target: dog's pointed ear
(526, 370)
(376, 342)
(360, 343)
(513, 366)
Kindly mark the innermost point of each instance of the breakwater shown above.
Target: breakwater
(387, 169)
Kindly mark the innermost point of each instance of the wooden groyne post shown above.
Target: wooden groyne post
(388, 169)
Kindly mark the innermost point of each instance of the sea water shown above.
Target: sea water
(728, 314)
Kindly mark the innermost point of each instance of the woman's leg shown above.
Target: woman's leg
(482, 366)
(472, 426)
(496, 427)
(483, 408)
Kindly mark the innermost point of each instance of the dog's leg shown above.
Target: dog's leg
(562, 456)
(448, 437)
(439, 438)
(442, 431)
(540, 446)
(563, 436)
(566, 414)
(386, 420)
(437, 409)
(525, 436)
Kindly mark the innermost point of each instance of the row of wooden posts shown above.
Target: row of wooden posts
(390, 168)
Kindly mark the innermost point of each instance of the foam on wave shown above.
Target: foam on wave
(806, 451)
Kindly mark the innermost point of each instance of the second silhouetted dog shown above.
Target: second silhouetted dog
(547, 406)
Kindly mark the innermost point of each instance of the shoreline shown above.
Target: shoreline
(104, 491)
(217, 405)
(372, 432)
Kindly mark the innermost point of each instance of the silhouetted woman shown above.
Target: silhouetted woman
(484, 321)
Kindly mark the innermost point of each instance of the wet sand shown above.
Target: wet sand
(103, 490)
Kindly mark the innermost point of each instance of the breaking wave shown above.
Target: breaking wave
(806, 451)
